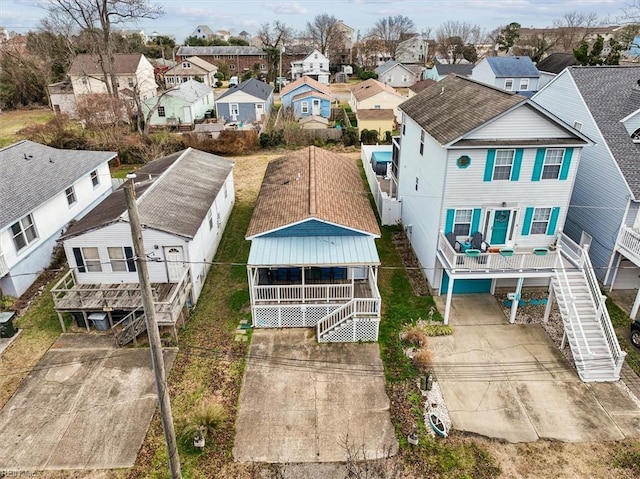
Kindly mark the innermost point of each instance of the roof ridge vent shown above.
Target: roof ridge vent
(312, 180)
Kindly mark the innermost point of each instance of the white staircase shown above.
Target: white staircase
(587, 326)
(357, 320)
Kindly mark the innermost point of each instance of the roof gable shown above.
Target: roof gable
(384, 68)
(305, 81)
(556, 62)
(311, 57)
(371, 87)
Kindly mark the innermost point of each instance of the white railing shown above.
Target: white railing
(4, 269)
(629, 240)
(308, 293)
(358, 307)
(571, 250)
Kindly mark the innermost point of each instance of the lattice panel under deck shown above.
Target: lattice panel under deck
(298, 316)
(365, 330)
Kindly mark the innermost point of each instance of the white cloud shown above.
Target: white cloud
(287, 8)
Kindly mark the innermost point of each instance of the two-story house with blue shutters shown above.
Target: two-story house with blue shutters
(518, 74)
(604, 103)
(485, 178)
(307, 97)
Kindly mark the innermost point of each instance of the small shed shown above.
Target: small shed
(314, 122)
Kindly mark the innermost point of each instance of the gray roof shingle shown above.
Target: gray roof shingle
(253, 87)
(189, 91)
(611, 93)
(463, 69)
(31, 174)
(513, 67)
(556, 62)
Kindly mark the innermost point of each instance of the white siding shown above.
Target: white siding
(240, 97)
(521, 123)
(482, 72)
(386, 100)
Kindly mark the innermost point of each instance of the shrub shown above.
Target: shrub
(366, 74)
(350, 136)
(205, 419)
(415, 336)
(219, 75)
(388, 138)
(219, 84)
(369, 137)
(422, 359)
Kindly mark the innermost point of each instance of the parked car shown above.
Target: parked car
(282, 81)
(635, 333)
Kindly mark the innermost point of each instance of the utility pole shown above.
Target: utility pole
(157, 359)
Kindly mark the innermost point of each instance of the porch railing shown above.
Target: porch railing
(4, 269)
(167, 312)
(629, 241)
(358, 307)
(298, 293)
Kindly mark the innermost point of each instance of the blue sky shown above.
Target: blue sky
(182, 16)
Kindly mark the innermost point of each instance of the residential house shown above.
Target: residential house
(383, 121)
(203, 32)
(250, 101)
(231, 60)
(344, 48)
(415, 50)
(307, 96)
(374, 95)
(518, 74)
(553, 64)
(184, 201)
(313, 259)
(604, 103)
(439, 71)
(419, 86)
(182, 105)
(192, 68)
(42, 189)
(61, 97)
(396, 74)
(485, 178)
(315, 66)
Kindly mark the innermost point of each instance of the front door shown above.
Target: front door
(186, 113)
(175, 264)
(259, 111)
(500, 227)
(316, 107)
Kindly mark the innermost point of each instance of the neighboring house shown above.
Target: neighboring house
(374, 95)
(203, 32)
(61, 97)
(518, 74)
(314, 122)
(311, 102)
(250, 101)
(343, 54)
(233, 60)
(182, 105)
(313, 260)
(192, 68)
(439, 71)
(396, 74)
(381, 121)
(416, 50)
(604, 103)
(485, 178)
(42, 189)
(419, 86)
(550, 66)
(300, 86)
(184, 201)
(315, 66)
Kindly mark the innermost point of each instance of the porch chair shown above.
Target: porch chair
(478, 242)
(294, 274)
(455, 244)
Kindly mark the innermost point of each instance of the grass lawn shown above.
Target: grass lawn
(11, 122)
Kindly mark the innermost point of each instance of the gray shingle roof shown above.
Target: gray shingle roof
(31, 174)
(463, 69)
(189, 91)
(556, 62)
(176, 198)
(125, 63)
(611, 94)
(253, 87)
(513, 67)
(457, 105)
(208, 51)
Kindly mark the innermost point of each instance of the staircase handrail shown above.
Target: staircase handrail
(337, 316)
(573, 309)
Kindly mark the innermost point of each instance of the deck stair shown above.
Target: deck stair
(587, 326)
(132, 326)
(357, 320)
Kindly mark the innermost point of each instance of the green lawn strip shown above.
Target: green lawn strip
(621, 322)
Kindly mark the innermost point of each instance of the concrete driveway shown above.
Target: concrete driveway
(86, 405)
(509, 381)
(300, 400)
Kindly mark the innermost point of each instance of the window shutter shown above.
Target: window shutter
(79, 260)
(566, 163)
(131, 262)
(553, 221)
(537, 166)
(528, 216)
(517, 163)
(448, 228)
(488, 168)
(475, 221)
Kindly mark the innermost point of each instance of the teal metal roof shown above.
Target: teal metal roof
(313, 251)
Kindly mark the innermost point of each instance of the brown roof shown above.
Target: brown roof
(369, 88)
(90, 64)
(418, 86)
(309, 81)
(312, 183)
(457, 105)
(373, 114)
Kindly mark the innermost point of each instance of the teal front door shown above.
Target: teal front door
(500, 227)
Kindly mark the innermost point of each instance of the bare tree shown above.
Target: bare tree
(323, 32)
(452, 37)
(391, 31)
(97, 19)
(573, 28)
(274, 37)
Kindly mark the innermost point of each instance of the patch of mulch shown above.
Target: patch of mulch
(412, 265)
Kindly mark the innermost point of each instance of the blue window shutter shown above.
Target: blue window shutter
(448, 227)
(517, 163)
(475, 220)
(488, 168)
(537, 166)
(79, 260)
(553, 221)
(566, 164)
(526, 225)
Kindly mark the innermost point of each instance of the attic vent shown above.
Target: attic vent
(635, 136)
(28, 157)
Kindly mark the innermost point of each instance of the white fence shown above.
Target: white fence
(389, 209)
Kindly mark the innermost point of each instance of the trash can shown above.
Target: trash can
(7, 330)
(100, 321)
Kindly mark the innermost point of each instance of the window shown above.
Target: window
(186, 65)
(462, 222)
(210, 219)
(185, 79)
(234, 109)
(84, 80)
(540, 221)
(91, 260)
(577, 125)
(376, 107)
(421, 142)
(304, 107)
(503, 164)
(130, 82)
(524, 84)
(263, 67)
(95, 181)
(389, 78)
(552, 164)
(225, 190)
(416, 183)
(23, 232)
(404, 128)
(232, 67)
(219, 221)
(405, 78)
(71, 195)
(230, 57)
(161, 111)
(315, 56)
(508, 84)
(121, 259)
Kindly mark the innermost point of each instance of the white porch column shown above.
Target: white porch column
(251, 295)
(636, 306)
(516, 300)
(447, 304)
(547, 310)
(303, 292)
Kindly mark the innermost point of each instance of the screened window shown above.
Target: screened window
(552, 164)
(462, 223)
(117, 259)
(24, 232)
(161, 111)
(508, 84)
(524, 84)
(130, 82)
(422, 142)
(95, 181)
(304, 106)
(503, 164)
(540, 221)
(91, 260)
(71, 195)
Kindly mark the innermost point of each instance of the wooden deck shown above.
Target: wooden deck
(123, 296)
